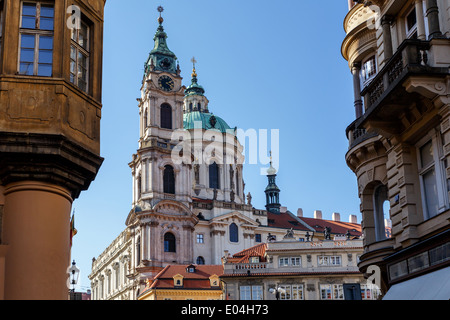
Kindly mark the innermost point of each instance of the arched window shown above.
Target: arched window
(381, 213)
(200, 260)
(214, 176)
(169, 242)
(169, 180)
(234, 233)
(190, 106)
(166, 116)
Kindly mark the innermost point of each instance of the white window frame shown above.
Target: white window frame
(413, 29)
(283, 262)
(200, 238)
(366, 80)
(295, 261)
(37, 33)
(255, 292)
(331, 291)
(333, 261)
(79, 49)
(438, 165)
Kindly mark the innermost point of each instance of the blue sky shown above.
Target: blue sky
(264, 65)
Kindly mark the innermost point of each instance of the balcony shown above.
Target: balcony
(389, 108)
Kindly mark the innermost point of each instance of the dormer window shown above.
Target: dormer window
(190, 269)
(254, 260)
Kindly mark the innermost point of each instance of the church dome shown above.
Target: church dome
(208, 120)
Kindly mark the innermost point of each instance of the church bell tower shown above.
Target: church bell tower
(161, 221)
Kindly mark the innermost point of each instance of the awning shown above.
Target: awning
(431, 286)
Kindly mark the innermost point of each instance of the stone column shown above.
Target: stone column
(433, 19)
(356, 68)
(387, 37)
(420, 20)
(37, 230)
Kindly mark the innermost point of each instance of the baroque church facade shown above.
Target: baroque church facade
(188, 204)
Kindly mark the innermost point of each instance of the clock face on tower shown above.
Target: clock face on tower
(165, 83)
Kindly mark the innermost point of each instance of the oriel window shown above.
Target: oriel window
(79, 57)
(36, 38)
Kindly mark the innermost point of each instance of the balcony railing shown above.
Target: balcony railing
(410, 58)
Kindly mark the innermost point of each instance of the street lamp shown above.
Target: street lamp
(276, 291)
(74, 274)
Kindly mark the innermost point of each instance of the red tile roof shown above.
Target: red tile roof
(337, 227)
(191, 280)
(285, 220)
(245, 255)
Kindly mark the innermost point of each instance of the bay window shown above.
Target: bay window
(79, 57)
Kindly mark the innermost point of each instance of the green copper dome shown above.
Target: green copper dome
(161, 58)
(208, 121)
(194, 88)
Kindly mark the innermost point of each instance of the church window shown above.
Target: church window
(169, 180)
(190, 106)
(169, 242)
(234, 233)
(214, 176)
(200, 238)
(166, 116)
(200, 260)
(36, 39)
(79, 56)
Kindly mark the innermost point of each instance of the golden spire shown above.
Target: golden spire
(194, 73)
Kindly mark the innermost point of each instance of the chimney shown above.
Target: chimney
(318, 214)
(353, 219)
(299, 212)
(283, 209)
(336, 217)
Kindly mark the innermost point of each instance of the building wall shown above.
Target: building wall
(306, 276)
(402, 107)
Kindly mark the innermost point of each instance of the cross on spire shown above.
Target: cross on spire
(194, 73)
(160, 10)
